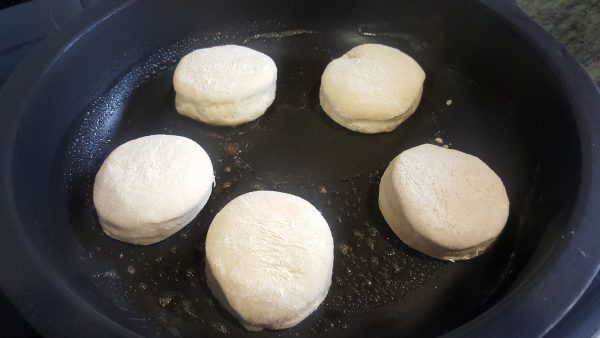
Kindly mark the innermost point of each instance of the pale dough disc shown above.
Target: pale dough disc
(224, 85)
(372, 88)
(149, 188)
(269, 259)
(443, 202)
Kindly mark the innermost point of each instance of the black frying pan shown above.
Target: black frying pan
(519, 102)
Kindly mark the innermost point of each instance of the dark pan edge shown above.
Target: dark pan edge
(35, 279)
(526, 310)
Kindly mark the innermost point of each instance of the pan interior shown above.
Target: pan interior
(377, 280)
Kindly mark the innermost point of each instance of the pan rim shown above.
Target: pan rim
(24, 79)
(582, 95)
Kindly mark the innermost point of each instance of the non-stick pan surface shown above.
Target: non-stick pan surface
(486, 93)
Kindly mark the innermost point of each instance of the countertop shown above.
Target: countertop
(575, 23)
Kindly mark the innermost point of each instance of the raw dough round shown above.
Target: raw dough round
(224, 85)
(149, 188)
(372, 88)
(269, 259)
(443, 202)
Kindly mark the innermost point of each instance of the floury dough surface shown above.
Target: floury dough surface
(149, 188)
(372, 88)
(269, 259)
(443, 202)
(224, 85)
